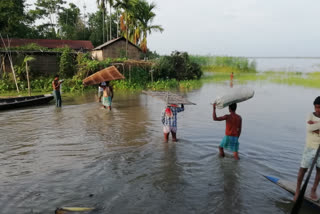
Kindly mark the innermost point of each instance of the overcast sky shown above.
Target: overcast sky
(234, 27)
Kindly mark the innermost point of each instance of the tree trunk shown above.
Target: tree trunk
(14, 73)
(118, 25)
(110, 23)
(103, 27)
(29, 91)
(127, 29)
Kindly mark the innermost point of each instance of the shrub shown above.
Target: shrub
(67, 61)
(177, 66)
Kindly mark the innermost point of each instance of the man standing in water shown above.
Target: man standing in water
(56, 90)
(107, 96)
(169, 121)
(233, 130)
(310, 149)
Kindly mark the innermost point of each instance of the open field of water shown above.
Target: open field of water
(117, 162)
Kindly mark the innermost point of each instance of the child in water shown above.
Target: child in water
(169, 121)
(233, 130)
(310, 149)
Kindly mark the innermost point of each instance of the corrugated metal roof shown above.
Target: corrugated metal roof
(51, 43)
(113, 41)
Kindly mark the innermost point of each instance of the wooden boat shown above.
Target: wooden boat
(291, 187)
(18, 102)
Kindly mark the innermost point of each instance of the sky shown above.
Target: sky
(251, 28)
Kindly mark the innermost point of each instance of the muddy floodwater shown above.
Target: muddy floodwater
(117, 162)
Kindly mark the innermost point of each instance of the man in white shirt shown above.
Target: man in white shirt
(312, 144)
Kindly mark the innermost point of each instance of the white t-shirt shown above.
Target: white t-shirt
(313, 139)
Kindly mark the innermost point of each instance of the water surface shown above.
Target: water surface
(117, 162)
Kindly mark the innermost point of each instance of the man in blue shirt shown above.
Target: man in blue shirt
(169, 121)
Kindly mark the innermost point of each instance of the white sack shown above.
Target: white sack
(234, 95)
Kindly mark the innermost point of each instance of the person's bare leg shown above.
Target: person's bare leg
(166, 137)
(174, 137)
(221, 152)
(236, 155)
(315, 185)
(301, 173)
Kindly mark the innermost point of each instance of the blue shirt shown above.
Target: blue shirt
(171, 121)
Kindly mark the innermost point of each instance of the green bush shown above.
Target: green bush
(177, 66)
(67, 63)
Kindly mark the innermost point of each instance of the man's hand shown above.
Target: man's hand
(316, 131)
(310, 122)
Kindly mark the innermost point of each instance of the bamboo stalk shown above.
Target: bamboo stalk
(29, 91)
(10, 60)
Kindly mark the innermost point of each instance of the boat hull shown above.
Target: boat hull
(20, 102)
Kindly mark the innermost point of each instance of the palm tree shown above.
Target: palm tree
(102, 5)
(111, 3)
(128, 7)
(146, 17)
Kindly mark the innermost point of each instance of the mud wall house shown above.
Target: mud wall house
(116, 48)
(47, 62)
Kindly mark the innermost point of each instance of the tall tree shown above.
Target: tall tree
(102, 5)
(14, 20)
(128, 6)
(48, 9)
(68, 22)
(111, 3)
(146, 17)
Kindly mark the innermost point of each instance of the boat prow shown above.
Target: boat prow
(291, 187)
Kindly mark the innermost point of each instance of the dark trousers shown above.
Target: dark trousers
(57, 96)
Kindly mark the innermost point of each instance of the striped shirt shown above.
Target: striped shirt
(171, 121)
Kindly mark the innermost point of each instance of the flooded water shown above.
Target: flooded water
(303, 65)
(117, 162)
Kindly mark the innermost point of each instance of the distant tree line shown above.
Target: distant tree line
(54, 19)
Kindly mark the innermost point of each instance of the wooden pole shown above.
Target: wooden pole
(130, 73)
(29, 91)
(296, 207)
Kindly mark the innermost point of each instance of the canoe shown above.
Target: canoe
(233, 95)
(107, 74)
(19, 102)
(291, 187)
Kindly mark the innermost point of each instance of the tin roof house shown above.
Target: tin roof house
(116, 48)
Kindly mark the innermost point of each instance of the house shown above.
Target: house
(77, 45)
(116, 48)
(47, 62)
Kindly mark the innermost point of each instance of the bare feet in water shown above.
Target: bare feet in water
(313, 194)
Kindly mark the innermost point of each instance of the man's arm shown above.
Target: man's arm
(313, 126)
(240, 127)
(214, 115)
(163, 117)
(181, 108)
(111, 90)
(55, 87)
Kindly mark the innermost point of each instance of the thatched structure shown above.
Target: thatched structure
(169, 97)
(107, 74)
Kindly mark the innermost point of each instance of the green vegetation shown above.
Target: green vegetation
(225, 64)
(54, 19)
(177, 66)
(174, 71)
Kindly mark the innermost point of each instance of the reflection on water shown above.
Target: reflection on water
(81, 155)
